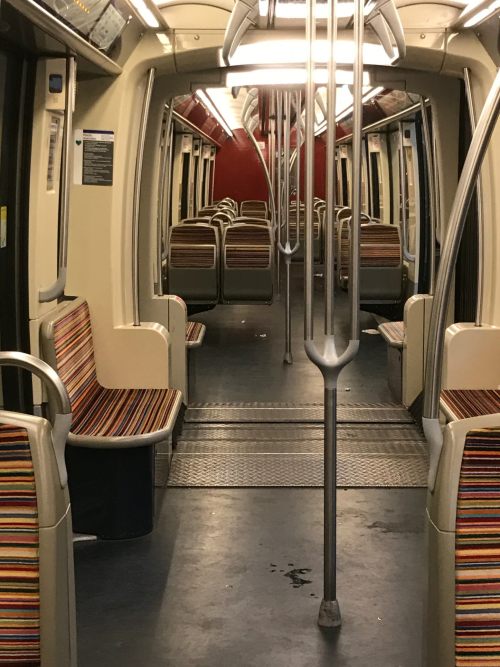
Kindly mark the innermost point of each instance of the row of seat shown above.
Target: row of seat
(205, 267)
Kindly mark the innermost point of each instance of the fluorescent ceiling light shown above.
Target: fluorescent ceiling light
(274, 76)
(291, 51)
(207, 102)
(223, 101)
(145, 13)
(297, 10)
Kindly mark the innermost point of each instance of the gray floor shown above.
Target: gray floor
(209, 586)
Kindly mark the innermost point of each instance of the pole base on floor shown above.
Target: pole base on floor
(329, 614)
(288, 359)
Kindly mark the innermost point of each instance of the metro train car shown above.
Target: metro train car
(249, 333)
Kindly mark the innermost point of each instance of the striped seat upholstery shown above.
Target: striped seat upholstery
(247, 246)
(393, 333)
(100, 413)
(251, 206)
(19, 552)
(195, 332)
(466, 403)
(477, 552)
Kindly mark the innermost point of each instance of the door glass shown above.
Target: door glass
(410, 192)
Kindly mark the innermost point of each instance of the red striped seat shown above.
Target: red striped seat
(195, 333)
(101, 416)
(19, 552)
(393, 333)
(466, 403)
(477, 552)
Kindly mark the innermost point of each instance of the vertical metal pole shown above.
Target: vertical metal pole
(137, 193)
(431, 182)
(479, 200)
(298, 135)
(331, 141)
(288, 359)
(309, 172)
(162, 186)
(357, 135)
(279, 163)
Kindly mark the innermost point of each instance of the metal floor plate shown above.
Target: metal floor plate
(287, 413)
(296, 470)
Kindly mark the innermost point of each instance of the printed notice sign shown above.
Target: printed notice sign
(94, 150)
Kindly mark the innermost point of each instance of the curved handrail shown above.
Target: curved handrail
(242, 17)
(59, 401)
(57, 288)
(162, 188)
(479, 202)
(450, 248)
(431, 184)
(137, 193)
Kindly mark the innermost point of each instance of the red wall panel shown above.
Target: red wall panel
(238, 173)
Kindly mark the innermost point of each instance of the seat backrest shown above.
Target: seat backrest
(193, 246)
(194, 221)
(249, 220)
(19, 551)
(67, 345)
(380, 245)
(253, 205)
(248, 246)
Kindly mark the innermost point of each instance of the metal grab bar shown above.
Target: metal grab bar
(328, 361)
(242, 17)
(404, 197)
(165, 162)
(431, 183)
(137, 193)
(57, 288)
(286, 250)
(450, 248)
(59, 402)
(479, 200)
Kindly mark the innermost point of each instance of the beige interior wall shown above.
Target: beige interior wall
(100, 230)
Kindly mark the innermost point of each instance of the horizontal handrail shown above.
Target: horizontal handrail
(194, 128)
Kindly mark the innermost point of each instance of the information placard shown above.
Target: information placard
(94, 154)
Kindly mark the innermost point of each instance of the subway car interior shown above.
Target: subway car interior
(250, 333)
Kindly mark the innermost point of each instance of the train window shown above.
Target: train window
(195, 185)
(376, 185)
(345, 184)
(410, 190)
(184, 200)
(204, 184)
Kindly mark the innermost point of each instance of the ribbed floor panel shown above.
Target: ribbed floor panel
(291, 455)
(296, 470)
(287, 412)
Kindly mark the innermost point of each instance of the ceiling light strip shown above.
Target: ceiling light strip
(208, 103)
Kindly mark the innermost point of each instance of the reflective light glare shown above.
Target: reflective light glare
(482, 15)
(145, 13)
(222, 100)
(205, 99)
(281, 52)
(274, 76)
(297, 10)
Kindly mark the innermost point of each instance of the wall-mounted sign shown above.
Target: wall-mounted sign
(94, 153)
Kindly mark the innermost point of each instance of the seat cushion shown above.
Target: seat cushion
(477, 552)
(195, 332)
(393, 333)
(19, 557)
(466, 403)
(122, 413)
